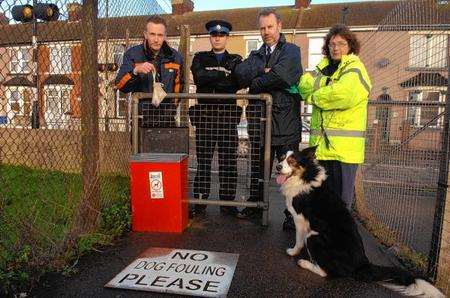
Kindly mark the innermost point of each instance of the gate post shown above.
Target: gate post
(440, 239)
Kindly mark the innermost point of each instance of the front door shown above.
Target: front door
(57, 107)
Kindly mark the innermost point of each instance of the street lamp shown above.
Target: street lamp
(31, 13)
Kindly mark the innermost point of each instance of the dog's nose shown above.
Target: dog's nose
(279, 167)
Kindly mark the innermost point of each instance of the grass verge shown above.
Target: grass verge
(37, 209)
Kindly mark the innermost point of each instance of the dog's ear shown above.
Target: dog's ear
(309, 152)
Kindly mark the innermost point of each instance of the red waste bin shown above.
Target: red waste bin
(159, 186)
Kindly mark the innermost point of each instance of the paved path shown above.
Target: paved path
(263, 269)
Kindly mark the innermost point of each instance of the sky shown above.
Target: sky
(228, 4)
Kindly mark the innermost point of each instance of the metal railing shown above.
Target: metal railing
(266, 98)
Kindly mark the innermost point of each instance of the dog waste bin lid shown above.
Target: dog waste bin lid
(158, 157)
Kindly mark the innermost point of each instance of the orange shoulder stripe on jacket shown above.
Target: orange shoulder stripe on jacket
(172, 65)
(123, 81)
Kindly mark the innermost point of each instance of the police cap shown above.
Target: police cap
(218, 26)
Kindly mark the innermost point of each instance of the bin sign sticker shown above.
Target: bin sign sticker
(156, 185)
(179, 271)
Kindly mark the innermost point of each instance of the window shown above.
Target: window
(60, 59)
(15, 101)
(421, 115)
(315, 51)
(57, 102)
(174, 43)
(427, 50)
(252, 44)
(20, 60)
(121, 104)
(118, 51)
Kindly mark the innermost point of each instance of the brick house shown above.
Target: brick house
(303, 23)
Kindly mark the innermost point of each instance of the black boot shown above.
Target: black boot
(250, 213)
(228, 210)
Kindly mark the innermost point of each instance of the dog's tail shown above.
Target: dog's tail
(398, 280)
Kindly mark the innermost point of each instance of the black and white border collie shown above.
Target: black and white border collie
(327, 232)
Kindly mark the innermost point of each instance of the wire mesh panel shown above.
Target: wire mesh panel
(401, 171)
(163, 128)
(226, 143)
(225, 151)
(64, 131)
(407, 136)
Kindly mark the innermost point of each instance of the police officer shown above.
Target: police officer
(216, 120)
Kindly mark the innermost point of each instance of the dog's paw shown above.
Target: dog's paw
(303, 263)
(292, 251)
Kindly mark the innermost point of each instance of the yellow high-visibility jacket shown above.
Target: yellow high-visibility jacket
(339, 115)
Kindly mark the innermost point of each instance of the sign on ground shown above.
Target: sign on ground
(179, 271)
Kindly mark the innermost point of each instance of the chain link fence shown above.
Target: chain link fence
(64, 131)
(404, 179)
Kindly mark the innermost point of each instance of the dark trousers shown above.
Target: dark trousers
(341, 178)
(216, 125)
(256, 129)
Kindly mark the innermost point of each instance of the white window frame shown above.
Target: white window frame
(311, 64)
(175, 43)
(21, 101)
(417, 110)
(59, 88)
(60, 63)
(126, 99)
(23, 63)
(247, 39)
(116, 55)
(433, 50)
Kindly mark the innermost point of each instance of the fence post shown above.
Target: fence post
(440, 250)
(35, 108)
(106, 73)
(443, 270)
(128, 112)
(185, 40)
(360, 201)
(267, 147)
(90, 202)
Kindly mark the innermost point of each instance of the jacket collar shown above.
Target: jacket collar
(281, 42)
(166, 52)
(212, 54)
(345, 60)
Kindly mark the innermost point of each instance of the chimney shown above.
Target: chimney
(182, 6)
(75, 11)
(302, 3)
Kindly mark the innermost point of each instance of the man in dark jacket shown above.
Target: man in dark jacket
(275, 68)
(153, 56)
(216, 120)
